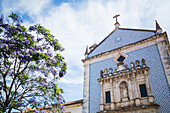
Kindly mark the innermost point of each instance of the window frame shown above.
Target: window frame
(109, 101)
(146, 93)
(118, 56)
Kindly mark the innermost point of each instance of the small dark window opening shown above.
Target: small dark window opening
(143, 90)
(121, 59)
(108, 100)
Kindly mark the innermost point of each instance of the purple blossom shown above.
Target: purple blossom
(18, 24)
(39, 77)
(51, 44)
(22, 50)
(62, 106)
(43, 71)
(55, 108)
(7, 41)
(31, 53)
(21, 56)
(1, 40)
(43, 111)
(38, 47)
(45, 34)
(50, 107)
(50, 54)
(33, 100)
(29, 59)
(14, 41)
(16, 52)
(60, 96)
(24, 60)
(27, 41)
(36, 111)
(44, 84)
(20, 104)
(50, 86)
(57, 77)
(24, 33)
(4, 45)
(11, 45)
(25, 55)
(32, 37)
(19, 29)
(7, 66)
(38, 68)
(39, 39)
(31, 28)
(32, 48)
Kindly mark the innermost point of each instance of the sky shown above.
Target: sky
(80, 23)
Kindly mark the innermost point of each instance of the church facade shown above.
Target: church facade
(129, 71)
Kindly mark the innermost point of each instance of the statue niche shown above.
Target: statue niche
(124, 91)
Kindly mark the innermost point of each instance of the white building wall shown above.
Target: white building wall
(74, 109)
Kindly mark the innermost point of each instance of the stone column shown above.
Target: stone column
(86, 88)
(114, 91)
(130, 91)
(165, 57)
(102, 98)
(136, 92)
(148, 86)
(112, 94)
(117, 93)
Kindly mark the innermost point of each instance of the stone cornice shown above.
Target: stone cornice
(124, 73)
(152, 38)
(128, 109)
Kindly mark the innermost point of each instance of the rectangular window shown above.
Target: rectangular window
(143, 90)
(108, 100)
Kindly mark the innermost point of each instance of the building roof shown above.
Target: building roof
(121, 37)
(74, 102)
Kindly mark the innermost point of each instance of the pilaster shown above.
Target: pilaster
(102, 98)
(165, 57)
(112, 94)
(86, 88)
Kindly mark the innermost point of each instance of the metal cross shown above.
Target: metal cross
(116, 17)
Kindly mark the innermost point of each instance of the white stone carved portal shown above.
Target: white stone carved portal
(124, 86)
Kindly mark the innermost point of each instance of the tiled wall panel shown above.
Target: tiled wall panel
(157, 77)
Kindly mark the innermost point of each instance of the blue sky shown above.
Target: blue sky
(77, 23)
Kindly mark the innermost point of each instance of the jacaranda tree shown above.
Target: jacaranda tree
(30, 66)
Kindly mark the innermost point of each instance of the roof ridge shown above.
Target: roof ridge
(137, 29)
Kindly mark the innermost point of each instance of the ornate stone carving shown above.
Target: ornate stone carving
(132, 66)
(138, 64)
(124, 91)
(106, 72)
(101, 74)
(110, 71)
(143, 63)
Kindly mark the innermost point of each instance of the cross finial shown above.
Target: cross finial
(116, 17)
(117, 23)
